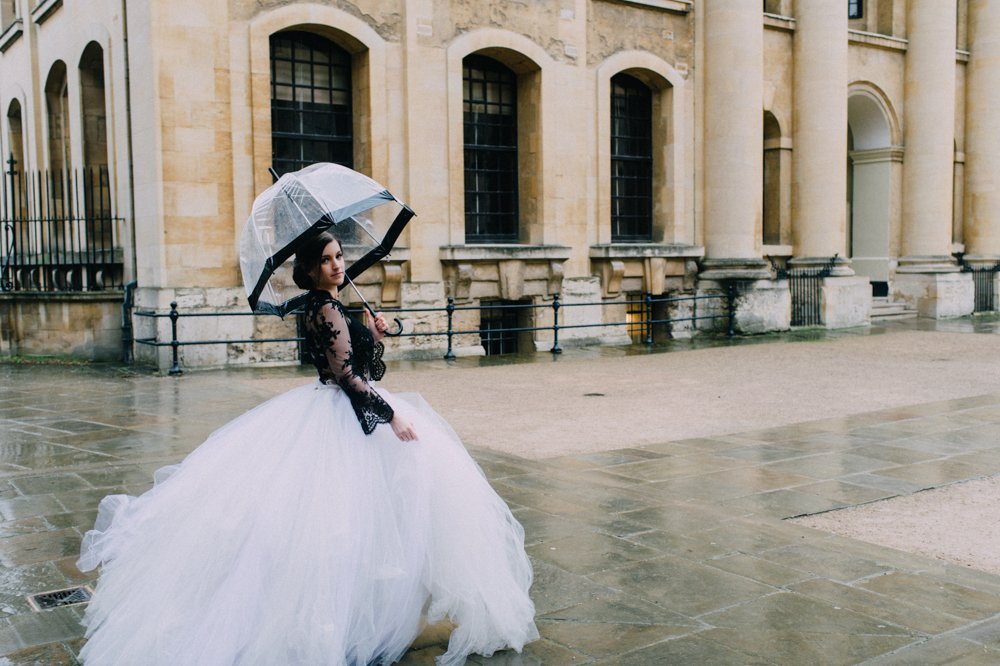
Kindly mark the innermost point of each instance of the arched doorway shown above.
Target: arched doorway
(871, 159)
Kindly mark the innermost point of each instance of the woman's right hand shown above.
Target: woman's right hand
(403, 428)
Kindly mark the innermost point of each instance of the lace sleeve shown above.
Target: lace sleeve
(369, 406)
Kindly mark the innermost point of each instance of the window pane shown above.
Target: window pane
(490, 126)
(310, 101)
(631, 160)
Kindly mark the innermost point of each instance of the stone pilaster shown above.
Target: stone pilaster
(982, 132)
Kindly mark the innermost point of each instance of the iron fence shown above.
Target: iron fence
(983, 281)
(806, 287)
(59, 231)
(656, 315)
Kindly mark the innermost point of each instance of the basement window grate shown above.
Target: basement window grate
(56, 598)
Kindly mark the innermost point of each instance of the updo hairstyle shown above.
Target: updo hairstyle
(307, 259)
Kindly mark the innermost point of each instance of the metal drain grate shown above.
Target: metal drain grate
(56, 598)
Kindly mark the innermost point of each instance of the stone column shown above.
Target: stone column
(733, 140)
(927, 274)
(733, 143)
(982, 133)
(819, 185)
(820, 80)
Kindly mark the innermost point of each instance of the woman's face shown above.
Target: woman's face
(329, 273)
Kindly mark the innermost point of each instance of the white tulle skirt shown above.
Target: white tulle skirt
(291, 537)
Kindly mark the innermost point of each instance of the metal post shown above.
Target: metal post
(649, 318)
(128, 332)
(555, 324)
(450, 309)
(174, 316)
(731, 306)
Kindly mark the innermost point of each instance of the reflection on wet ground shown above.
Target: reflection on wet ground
(674, 553)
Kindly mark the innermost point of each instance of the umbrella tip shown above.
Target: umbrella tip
(274, 174)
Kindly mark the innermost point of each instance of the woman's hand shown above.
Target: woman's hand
(403, 428)
(378, 326)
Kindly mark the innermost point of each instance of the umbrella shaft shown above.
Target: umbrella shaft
(358, 292)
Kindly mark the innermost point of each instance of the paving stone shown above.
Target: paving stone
(51, 654)
(916, 618)
(687, 587)
(758, 569)
(50, 626)
(944, 650)
(589, 553)
(48, 483)
(603, 639)
(696, 649)
(936, 594)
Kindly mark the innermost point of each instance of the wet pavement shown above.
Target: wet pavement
(670, 553)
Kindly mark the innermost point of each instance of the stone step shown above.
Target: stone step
(883, 308)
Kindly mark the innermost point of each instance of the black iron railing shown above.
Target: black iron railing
(806, 287)
(983, 280)
(59, 231)
(650, 325)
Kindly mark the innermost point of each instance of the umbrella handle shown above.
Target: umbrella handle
(399, 329)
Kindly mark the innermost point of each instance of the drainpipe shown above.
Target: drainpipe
(128, 131)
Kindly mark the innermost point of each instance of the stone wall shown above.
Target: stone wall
(84, 325)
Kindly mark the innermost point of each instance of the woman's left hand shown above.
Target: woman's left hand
(378, 326)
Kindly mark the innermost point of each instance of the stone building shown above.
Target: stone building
(598, 149)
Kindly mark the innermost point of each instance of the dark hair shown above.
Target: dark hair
(307, 259)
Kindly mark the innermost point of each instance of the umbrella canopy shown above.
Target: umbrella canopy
(359, 212)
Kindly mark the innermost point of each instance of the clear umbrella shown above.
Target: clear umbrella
(359, 212)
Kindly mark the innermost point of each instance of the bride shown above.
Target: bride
(328, 525)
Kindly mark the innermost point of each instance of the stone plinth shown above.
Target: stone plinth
(762, 306)
(846, 302)
(936, 295)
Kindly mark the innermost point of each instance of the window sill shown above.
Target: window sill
(10, 34)
(779, 22)
(679, 6)
(644, 250)
(43, 10)
(877, 40)
(497, 252)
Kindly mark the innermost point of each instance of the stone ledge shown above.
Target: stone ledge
(779, 22)
(43, 10)
(877, 40)
(644, 250)
(63, 296)
(679, 6)
(503, 251)
(10, 34)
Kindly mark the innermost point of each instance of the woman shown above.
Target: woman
(306, 531)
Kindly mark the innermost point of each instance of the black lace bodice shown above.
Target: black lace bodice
(345, 353)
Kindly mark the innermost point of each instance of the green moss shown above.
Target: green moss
(44, 360)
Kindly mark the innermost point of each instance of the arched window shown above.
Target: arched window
(631, 160)
(96, 184)
(60, 159)
(57, 105)
(17, 202)
(489, 104)
(311, 113)
(773, 194)
(95, 135)
(15, 134)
